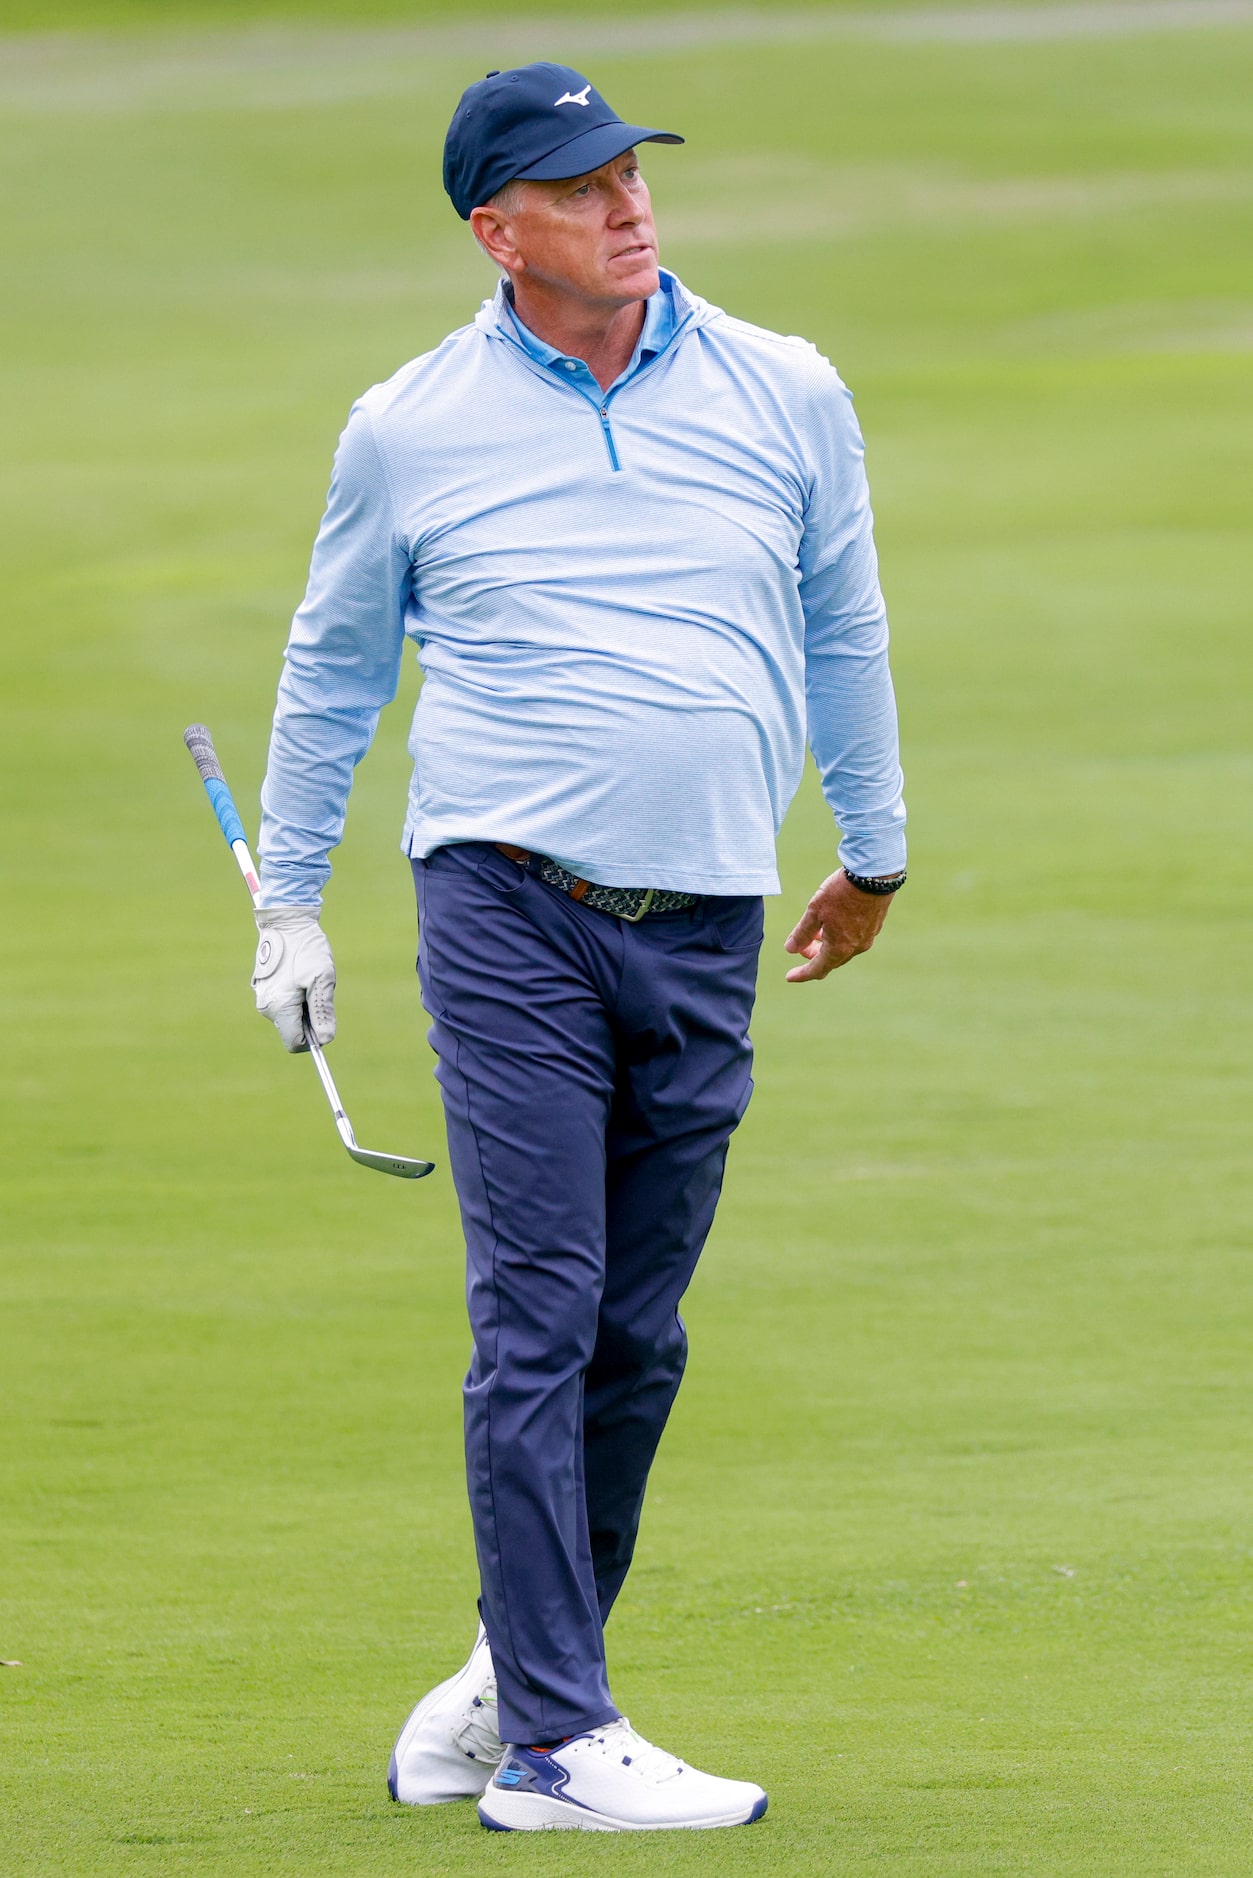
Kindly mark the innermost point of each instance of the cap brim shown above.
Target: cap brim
(587, 152)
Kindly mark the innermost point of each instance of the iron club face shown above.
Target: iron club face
(390, 1163)
(398, 1164)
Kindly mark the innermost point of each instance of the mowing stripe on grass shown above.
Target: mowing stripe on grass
(274, 66)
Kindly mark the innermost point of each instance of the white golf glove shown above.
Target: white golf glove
(294, 972)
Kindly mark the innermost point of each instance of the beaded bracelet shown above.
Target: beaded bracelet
(863, 884)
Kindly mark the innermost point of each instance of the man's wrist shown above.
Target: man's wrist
(879, 884)
(285, 915)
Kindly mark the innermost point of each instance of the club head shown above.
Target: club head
(398, 1164)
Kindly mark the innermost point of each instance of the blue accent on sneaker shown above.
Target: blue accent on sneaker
(530, 1771)
(758, 1810)
(393, 1775)
(493, 1825)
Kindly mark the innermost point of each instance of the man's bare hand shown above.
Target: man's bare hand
(839, 922)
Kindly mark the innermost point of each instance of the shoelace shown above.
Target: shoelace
(620, 1742)
(477, 1734)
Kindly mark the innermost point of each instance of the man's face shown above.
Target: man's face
(592, 235)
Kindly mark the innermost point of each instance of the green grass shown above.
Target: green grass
(949, 1541)
(59, 15)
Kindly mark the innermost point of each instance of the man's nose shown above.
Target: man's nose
(626, 207)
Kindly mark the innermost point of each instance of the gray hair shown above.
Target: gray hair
(507, 201)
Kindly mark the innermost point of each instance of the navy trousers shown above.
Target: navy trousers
(592, 1072)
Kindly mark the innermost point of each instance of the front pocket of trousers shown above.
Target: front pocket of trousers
(500, 872)
(738, 929)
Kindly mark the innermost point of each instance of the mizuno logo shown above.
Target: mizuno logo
(574, 97)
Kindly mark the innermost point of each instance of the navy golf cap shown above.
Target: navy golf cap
(538, 123)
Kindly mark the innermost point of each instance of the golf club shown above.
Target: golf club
(204, 756)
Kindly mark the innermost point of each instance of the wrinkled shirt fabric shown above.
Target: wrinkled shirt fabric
(632, 609)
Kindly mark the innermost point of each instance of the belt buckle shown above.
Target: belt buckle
(633, 919)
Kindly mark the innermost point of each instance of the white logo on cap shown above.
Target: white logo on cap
(574, 97)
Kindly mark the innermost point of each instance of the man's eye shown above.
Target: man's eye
(584, 189)
(629, 176)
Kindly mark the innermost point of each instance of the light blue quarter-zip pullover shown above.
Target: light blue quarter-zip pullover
(631, 609)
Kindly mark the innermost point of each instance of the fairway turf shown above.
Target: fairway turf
(949, 1540)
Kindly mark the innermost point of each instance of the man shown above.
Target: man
(631, 539)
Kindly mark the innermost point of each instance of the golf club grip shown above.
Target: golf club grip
(205, 757)
(203, 754)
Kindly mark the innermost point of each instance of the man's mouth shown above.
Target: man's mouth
(637, 248)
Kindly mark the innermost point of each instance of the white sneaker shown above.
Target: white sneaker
(450, 1744)
(611, 1780)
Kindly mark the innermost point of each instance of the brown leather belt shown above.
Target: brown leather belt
(629, 904)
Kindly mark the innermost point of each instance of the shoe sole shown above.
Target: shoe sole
(416, 1717)
(538, 1812)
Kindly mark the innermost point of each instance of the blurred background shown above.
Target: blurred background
(949, 1541)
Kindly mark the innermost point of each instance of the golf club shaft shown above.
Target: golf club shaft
(244, 861)
(200, 744)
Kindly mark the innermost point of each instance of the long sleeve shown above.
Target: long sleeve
(342, 666)
(850, 705)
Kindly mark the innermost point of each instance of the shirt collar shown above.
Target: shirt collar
(660, 322)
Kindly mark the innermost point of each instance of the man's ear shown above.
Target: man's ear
(491, 230)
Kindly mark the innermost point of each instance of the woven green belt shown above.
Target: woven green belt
(626, 903)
